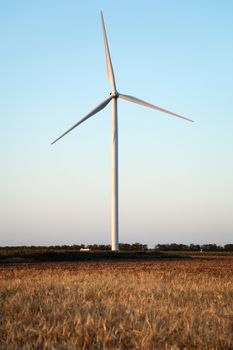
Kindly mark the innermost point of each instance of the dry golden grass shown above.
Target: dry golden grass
(179, 304)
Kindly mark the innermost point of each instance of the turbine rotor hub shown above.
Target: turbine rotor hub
(115, 94)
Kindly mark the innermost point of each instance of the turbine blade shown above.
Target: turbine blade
(111, 77)
(90, 114)
(146, 104)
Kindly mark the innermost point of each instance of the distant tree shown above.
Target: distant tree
(124, 246)
(194, 247)
(172, 247)
(138, 247)
(99, 247)
(162, 247)
(211, 247)
(228, 247)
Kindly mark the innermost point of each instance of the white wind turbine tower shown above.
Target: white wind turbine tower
(114, 95)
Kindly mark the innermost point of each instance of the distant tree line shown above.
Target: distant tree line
(123, 247)
(195, 247)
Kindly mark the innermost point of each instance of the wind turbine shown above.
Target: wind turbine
(114, 95)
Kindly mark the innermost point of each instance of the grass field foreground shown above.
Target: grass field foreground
(169, 304)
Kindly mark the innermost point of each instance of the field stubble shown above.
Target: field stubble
(178, 304)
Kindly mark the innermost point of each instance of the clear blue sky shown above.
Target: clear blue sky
(176, 178)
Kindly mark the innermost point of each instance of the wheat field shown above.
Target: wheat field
(163, 304)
